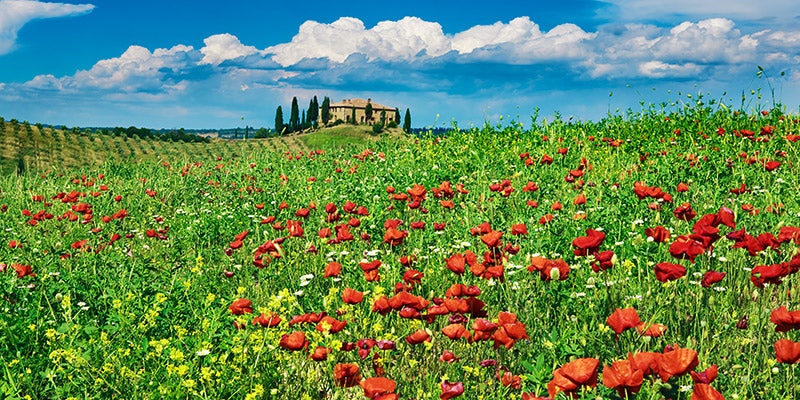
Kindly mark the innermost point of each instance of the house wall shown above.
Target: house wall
(344, 113)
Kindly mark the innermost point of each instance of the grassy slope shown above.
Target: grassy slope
(31, 148)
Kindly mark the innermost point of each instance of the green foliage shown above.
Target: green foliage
(294, 119)
(377, 128)
(367, 112)
(279, 127)
(326, 110)
(407, 122)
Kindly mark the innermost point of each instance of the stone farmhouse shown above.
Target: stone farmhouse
(344, 110)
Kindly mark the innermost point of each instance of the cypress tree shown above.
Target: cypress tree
(303, 119)
(326, 110)
(368, 112)
(407, 122)
(279, 121)
(294, 118)
(383, 117)
(397, 116)
(353, 117)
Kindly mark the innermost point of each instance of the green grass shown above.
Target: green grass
(344, 135)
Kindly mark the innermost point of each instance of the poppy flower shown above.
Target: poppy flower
(557, 270)
(677, 362)
(418, 337)
(623, 319)
(294, 341)
(351, 296)
(545, 219)
(684, 212)
(785, 320)
(14, 244)
(241, 306)
(682, 187)
(394, 237)
(623, 377)
(456, 331)
(787, 351)
(413, 277)
(346, 375)
(706, 376)
(331, 324)
(267, 321)
(659, 234)
(319, 354)
(519, 229)
(653, 330)
(669, 272)
(588, 244)
(711, 277)
(451, 390)
(22, 270)
(376, 386)
(702, 391)
(772, 165)
(580, 199)
(492, 239)
(603, 260)
(456, 263)
(572, 376)
(686, 248)
(448, 356)
(508, 379)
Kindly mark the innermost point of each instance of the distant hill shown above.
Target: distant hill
(25, 147)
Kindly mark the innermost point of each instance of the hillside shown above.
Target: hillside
(27, 147)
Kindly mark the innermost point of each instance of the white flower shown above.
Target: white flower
(203, 353)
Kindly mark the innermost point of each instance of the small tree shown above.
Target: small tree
(261, 133)
(279, 121)
(353, 117)
(326, 110)
(407, 122)
(396, 115)
(383, 117)
(368, 112)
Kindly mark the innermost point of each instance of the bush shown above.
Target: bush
(391, 124)
(377, 128)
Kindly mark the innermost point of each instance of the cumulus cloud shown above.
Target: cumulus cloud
(219, 48)
(14, 14)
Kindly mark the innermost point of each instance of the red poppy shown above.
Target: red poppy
(669, 272)
(772, 165)
(623, 319)
(787, 351)
(456, 263)
(550, 269)
(456, 331)
(684, 212)
(573, 375)
(545, 219)
(14, 244)
(346, 375)
(451, 390)
(659, 234)
(331, 324)
(241, 306)
(702, 391)
(706, 376)
(588, 244)
(507, 379)
(492, 239)
(22, 270)
(603, 260)
(677, 362)
(647, 362)
(267, 321)
(448, 356)
(682, 187)
(294, 341)
(418, 337)
(332, 269)
(711, 277)
(519, 229)
(319, 354)
(580, 199)
(653, 330)
(623, 377)
(785, 320)
(394, 237)
(351, 296)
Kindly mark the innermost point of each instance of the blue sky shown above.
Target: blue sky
(202, 64)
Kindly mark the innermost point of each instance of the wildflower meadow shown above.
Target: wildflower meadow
(649, 255)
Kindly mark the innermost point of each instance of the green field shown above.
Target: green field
(512, 261)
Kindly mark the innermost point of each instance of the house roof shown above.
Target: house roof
(360, 103)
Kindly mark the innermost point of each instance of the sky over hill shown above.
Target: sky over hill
(200, 64)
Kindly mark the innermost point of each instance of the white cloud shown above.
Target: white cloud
(14, 14)
(659, 69)
(224, 47)
(137, 69)
(388, 40)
